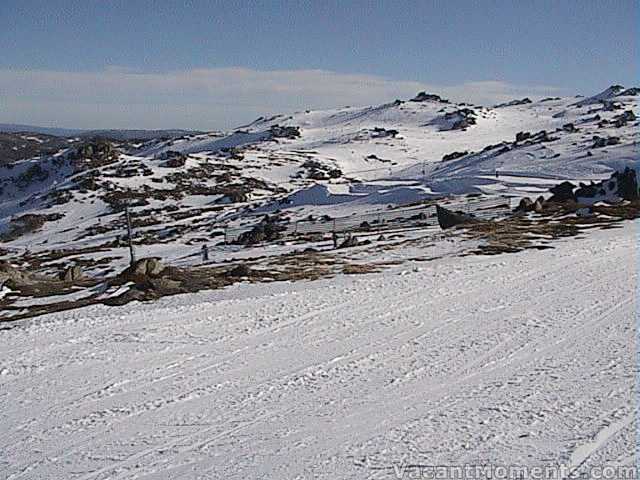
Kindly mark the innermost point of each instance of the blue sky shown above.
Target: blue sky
(207, 64)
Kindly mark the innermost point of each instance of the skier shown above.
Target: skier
(205, 253)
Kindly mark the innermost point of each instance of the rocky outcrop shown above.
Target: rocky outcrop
(562, 192)
(528, 138)
(173, 159)
(240, 270)
(28, 223)
(14, 276)
(94, 154)
(601, 142)
(528, 205)
(625, 117)
(630, 92)
(35, 173)
(454, 155)
(284, 132)
(144, 268)
(266, 231)
(428, 97)
(457, 120)
(513, 103)
(71, 274)
(320, 171)
(620, 186)
(627, 184)
(349, 241)
(448, 218)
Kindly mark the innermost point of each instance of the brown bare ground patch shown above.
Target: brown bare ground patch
(359, 268)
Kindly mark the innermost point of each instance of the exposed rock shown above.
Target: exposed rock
(630, 92)
(35, 173)
(71, 274)
(379, 132)
(513, 103)
(145, 267)
(284, 132)
(457, 120)
(240, 270)
(528, 205)
(454, 155)
(94, 154)
(624, 118)
(173, 159)
(562, 192)
(14, 276)
(600, 142)
(428, 97)
(265, 231)
(610, 106)
(234, 195)
(28, 223)
(448, 218)
(349, 241)
(538, 206)
(627, 184)
(525, 205)
(522, 136)
(318, 175)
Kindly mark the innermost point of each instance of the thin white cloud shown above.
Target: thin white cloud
(209, 98)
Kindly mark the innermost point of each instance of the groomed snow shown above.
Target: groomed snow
(522, 359)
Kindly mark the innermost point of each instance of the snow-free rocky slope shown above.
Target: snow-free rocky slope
(525, 359)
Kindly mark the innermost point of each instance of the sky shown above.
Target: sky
(218, 64)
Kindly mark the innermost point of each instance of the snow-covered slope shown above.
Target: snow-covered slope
(522, 360)
(187, 190)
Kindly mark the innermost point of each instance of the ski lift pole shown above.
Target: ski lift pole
(132, 256)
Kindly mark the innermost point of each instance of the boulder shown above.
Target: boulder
(349, 241)
(513, 103)
(71, 274)
(14, 275)
(265, 231)
(562, 192)
(240, 270)
(538, 206)
(525, 205)
(428, 97)
(145, 267)
(600, 142)
(627, 184)
(454, 155)
(448, 218)
(625, 117)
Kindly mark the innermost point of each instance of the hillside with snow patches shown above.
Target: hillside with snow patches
(507, 341)
(188, 189)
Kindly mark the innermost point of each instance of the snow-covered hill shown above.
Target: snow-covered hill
(184, 191)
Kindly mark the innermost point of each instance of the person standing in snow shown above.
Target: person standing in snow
(205, 253)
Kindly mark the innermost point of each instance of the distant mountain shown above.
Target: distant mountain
(58, 132)
(114, 134)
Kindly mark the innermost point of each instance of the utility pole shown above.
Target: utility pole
(132, 255)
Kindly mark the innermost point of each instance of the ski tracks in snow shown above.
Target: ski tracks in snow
(515, 358)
